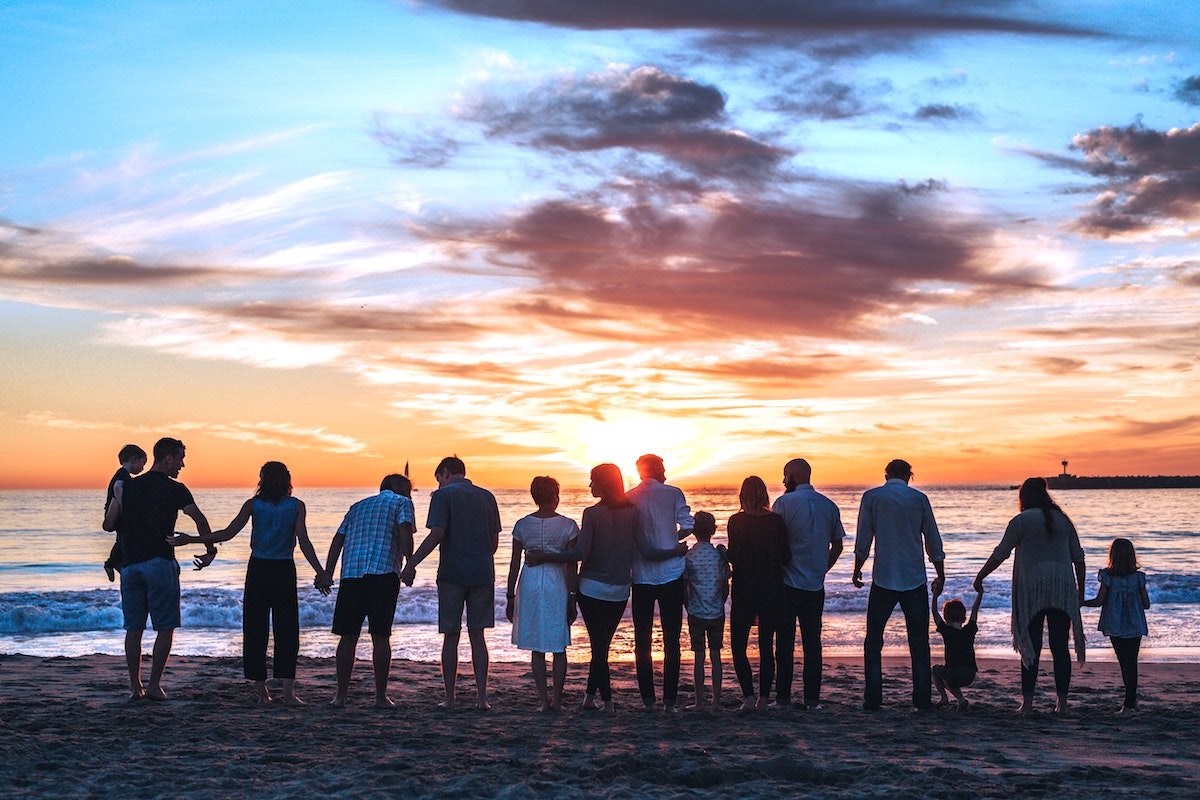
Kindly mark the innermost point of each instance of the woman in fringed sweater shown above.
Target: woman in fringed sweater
(1047, 587)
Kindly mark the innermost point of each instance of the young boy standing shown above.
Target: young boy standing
(958, 636)
(707, 587)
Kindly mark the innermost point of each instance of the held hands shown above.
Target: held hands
(408, 575)
(939, 583)
(323, 582)
(978, 585)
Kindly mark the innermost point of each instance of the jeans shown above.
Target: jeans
(669, 597)
(1127, 656)
(1059, 623)
(807, 607)
(915, 605)
(601, 618)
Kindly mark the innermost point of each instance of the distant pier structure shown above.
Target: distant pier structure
(1066, 480)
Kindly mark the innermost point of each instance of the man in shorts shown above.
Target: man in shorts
(464, 521)
(145, 510)
(373, 539)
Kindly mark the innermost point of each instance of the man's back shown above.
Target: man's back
(663, 512)
(370, 528)
(899, 520)
(150, 506)
(813, 522)
(470, 518)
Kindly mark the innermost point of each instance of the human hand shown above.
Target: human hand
(572, 609)
(978, 585)
(323, 582)
(508, 609)
(202, 560)
(178, 538)
(535, 557)
(856, 578)
(681, 549)
(939, 583)
(408, 575)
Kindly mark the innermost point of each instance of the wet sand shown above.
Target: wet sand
(67, 730)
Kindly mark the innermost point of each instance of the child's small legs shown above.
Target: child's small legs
(698, 677)
(940, 684)
(714, 655)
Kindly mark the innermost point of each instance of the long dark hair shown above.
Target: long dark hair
(609, 484)
(274, 482)
(1035, 494)
(753, 497)
(1122, 558)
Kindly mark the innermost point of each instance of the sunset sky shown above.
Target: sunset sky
(550, 233)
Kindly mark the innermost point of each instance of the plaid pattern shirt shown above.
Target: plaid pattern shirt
(370, 528)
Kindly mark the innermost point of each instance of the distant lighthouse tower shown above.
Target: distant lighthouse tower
(1064, 472)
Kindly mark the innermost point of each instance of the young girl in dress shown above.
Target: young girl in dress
(1123, 601)
(541, 602)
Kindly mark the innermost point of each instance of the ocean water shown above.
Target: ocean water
(55, 599)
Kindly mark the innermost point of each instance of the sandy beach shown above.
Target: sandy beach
(68, 731)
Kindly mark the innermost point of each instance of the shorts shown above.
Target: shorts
(371, 597)
(956, 677)
(151, 588)
(480, 602)
(699, 628)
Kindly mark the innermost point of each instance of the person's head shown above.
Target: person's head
(608, 484)
(544, 491)
(274, 482)
(1122, 558)
(651, 466)
(132, 458)
(1035, 494)
(397, 483)
(449, 468)
(898, 468)
(796, 472)
(706, 526)
(168, 456)
(954, 611)
(753, 496)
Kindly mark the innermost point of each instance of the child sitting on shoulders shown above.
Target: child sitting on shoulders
(133, 461)
(1123, 601)
(706, 587)
(958, 637)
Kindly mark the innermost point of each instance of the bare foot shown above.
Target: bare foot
(156, 694)
(748, 705)
(1061, 706)
(446, 705)
(1026, 706)
(261, 695)
(137, 693)
(338, 701)
(385, 702)
(292, 701)
(963, 704)
(542, 708)
(483, 705)
(762, 704)
(610, 708)
(589, 703)
(942, 703)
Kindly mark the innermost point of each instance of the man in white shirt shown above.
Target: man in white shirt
(898, 518)
(658, 565)
(815, 534)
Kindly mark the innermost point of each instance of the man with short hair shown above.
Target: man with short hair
(898, 519)
(464, 522)
(374, 538)
(143, 511)
(658, 566)
(815, 534)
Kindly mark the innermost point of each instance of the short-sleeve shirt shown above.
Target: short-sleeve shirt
(960, 645)
(470, 519)
(1123, 615)
(706, 580)
(370, 528)
(150, 506)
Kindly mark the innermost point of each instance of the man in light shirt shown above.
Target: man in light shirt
(373, 540)
(658, 566)
(898, 519)
(815, 534)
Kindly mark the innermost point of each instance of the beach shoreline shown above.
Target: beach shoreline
(71, 732)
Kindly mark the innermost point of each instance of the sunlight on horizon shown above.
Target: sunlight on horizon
(624, 437)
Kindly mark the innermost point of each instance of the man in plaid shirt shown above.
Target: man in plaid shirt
(373, 540)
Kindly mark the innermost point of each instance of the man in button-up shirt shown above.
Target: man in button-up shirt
(815, 534)
(372, 541)
(899, 520)
(658, 565)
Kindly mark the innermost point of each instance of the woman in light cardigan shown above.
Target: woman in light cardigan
(1047, 587)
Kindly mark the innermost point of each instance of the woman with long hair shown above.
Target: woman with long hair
(1047, 587)
(270, 601)
(758, 549)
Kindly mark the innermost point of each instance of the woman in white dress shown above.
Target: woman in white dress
(541, 602)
